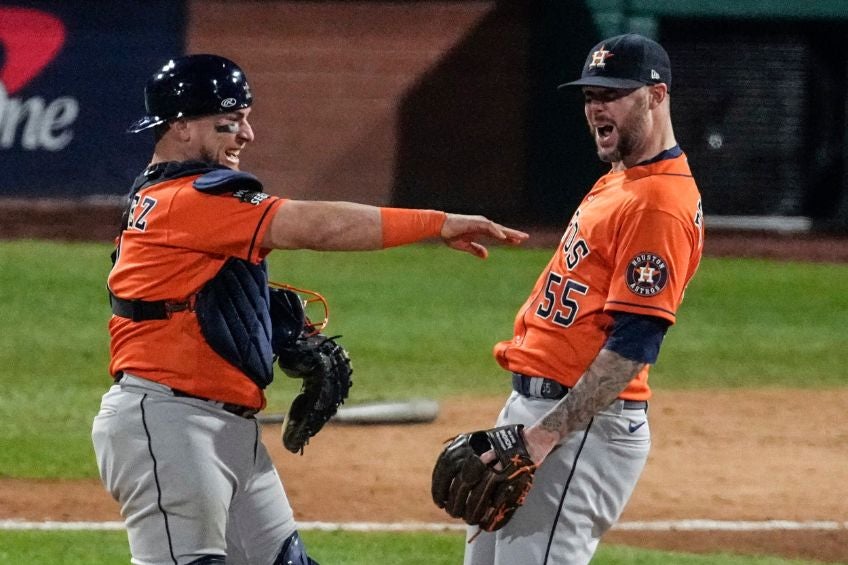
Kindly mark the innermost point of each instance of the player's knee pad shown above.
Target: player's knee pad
(210, 560)
(293, 552)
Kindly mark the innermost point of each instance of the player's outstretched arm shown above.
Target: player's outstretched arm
(599, 386)
(346, 226)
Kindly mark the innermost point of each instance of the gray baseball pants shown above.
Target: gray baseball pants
(191, 479)
(578, 493)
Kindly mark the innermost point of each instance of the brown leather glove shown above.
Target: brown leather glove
(481, 494)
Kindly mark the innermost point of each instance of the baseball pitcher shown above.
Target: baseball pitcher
(572, 439)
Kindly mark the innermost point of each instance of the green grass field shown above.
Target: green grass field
(418, 321)
(331, 548)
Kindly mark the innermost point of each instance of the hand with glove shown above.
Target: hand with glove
(325, 368)
(484, 494)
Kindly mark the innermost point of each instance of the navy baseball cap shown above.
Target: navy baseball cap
(625, 61)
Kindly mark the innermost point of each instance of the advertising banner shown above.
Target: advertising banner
(72, 78)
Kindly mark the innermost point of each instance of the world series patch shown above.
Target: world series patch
(647, 274)
(250, 196)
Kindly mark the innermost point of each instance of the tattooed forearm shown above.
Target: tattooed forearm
(602, 382)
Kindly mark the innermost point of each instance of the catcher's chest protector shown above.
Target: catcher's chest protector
(234, 316)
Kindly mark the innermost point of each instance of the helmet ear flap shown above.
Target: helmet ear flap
(192, 86)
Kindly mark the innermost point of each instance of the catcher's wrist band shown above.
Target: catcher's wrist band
(402, 225)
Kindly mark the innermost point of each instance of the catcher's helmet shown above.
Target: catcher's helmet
(191, 86)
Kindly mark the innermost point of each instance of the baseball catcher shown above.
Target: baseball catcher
(303, 352)
(484, 494)
(191, 330)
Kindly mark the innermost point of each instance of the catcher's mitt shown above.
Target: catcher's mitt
(484, 495)
(325, 368)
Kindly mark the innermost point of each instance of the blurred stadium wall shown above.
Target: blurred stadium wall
(443, 104)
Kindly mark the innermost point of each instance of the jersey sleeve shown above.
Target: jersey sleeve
(231, 223)
(637, 337)
(651, 265)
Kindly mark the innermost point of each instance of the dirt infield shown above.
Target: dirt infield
(731, 456)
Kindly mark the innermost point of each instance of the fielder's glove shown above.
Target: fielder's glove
(484, 495)
(325, 368)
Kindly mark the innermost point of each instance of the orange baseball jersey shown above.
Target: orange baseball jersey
(632, 246)
(177, 238)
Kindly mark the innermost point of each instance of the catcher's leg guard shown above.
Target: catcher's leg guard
(210, 560)
(293, 553)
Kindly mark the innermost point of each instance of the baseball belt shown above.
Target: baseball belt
(143, 310)
(237, 409)
(541, 387)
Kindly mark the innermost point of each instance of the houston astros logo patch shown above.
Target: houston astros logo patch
(647, 274)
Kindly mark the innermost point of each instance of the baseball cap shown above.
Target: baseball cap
(625, 61)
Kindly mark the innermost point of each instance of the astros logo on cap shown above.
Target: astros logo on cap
(599, 57)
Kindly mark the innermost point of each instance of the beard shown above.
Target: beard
(207, 157)
(632, 134)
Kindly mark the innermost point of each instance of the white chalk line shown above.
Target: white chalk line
(636, 526)
(728, 526)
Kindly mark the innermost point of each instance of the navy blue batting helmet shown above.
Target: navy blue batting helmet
(192, 86)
